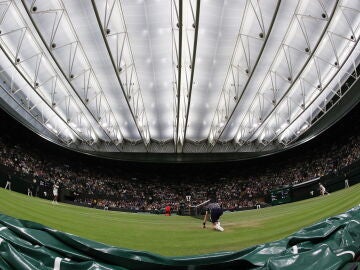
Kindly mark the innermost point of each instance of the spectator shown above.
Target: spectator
(120, 189)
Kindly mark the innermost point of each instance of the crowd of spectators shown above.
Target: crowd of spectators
(117, 188)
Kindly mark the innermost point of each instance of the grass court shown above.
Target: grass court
(179, 235)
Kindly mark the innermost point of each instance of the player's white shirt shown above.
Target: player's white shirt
(55, 190)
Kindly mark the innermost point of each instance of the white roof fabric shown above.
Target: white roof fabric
(174, 76)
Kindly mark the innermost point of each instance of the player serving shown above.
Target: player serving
(215, 211)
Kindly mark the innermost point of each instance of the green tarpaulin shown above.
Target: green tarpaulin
(331, 244)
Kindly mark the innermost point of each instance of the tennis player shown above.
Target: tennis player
(55, 192)
(214, 211)
(322, 190)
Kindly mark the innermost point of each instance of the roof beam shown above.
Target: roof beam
(32, 86)
(137, 111)
(338, 93)
(179, 66)
(195, 26)
(69, 77)
(223, 116)
(291, 80)
(42, 123)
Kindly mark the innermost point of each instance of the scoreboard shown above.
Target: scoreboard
(280, 196)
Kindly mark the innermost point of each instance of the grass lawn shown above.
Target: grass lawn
(178, 235)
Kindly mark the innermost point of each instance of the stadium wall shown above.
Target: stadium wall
(332, 182)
